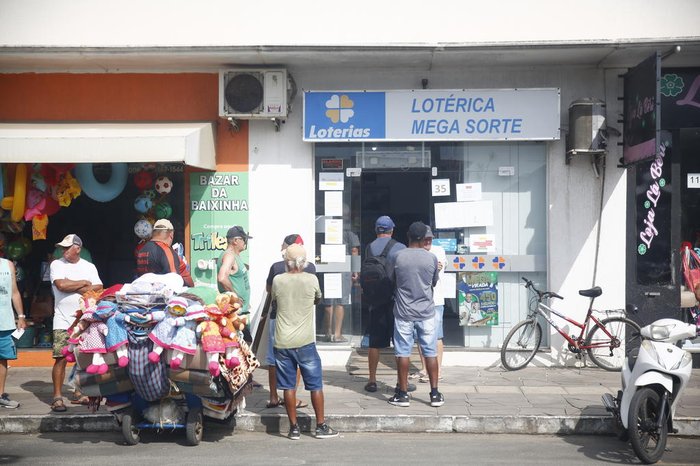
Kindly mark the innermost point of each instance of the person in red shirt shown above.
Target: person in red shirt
(157, 255)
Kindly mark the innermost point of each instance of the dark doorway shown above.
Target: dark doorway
(403, 195)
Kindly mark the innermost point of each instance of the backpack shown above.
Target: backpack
(377, 287)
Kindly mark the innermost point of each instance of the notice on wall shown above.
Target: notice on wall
(463, 214)
(448, 282)
(482, 243)
(334, 231)
(477, 298)
(332, 286)
(333, 203)
(332, 253)
(468, 192)
(331, 181)
(218, 201)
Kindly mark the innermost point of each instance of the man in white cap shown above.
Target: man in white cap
(157, 255)
(71, 277)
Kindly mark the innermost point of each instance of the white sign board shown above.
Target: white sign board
(693, 180)
(463, 214)
(441, 187)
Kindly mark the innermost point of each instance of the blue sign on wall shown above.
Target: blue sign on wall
(333, 116)
(426, 114)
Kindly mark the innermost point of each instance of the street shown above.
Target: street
(219, 447)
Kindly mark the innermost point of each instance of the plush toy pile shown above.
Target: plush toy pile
(144, 338)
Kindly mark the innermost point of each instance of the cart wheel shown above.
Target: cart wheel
(129, 430)
(194, 426)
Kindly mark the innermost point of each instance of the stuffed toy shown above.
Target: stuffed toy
(210, 336)
(116, 339)
(230, 324)
(185, 340)
(168, 320)
(89, 334)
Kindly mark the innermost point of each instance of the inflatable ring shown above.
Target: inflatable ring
(101, 192)
(20, 196)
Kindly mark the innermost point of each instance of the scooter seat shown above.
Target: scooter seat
(591, 292)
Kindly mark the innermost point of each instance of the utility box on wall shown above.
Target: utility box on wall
(586, 128)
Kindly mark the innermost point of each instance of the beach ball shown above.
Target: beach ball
(143, 179)
(163, 210)
(143, 229)
(143, 204)
(150, 193)
(163, 185)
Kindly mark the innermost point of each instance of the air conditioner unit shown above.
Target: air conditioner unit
(248, 93)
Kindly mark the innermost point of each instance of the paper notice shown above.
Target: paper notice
(333, 202)
(332, 253)
(334, 231)
(332, 285)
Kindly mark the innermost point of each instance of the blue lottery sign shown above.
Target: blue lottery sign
(438, 115)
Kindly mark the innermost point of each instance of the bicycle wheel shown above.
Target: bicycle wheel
(521, 344)
(609, 352)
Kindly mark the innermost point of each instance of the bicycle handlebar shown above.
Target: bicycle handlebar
(540, 294)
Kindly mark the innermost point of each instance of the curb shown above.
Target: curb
(276, 423)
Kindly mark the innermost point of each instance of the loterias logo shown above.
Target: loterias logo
(339, 111)
(340, 108)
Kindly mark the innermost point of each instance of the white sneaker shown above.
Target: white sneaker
(6, 402)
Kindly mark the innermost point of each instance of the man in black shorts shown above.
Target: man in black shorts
(381, 315)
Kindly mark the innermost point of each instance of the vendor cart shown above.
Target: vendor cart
(148, 395)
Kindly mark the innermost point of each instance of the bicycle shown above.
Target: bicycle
(605, 342)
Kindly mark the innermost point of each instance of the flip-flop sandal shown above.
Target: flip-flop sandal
(301, 404)
(417, 375)
(274, 405)
(58, 406)
(81, 400)
(371, 387)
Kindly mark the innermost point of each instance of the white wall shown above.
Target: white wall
(282, 192)
(187, 23)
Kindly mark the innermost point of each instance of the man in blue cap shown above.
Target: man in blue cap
(381, 317)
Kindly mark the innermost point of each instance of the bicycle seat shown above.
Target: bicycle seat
(591, 292)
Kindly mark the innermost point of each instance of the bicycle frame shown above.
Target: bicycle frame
(578, 342)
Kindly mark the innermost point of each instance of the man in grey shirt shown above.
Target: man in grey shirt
(415, 274)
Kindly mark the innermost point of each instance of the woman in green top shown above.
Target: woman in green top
(233, 273)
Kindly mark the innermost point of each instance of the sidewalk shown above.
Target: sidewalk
(534, 400)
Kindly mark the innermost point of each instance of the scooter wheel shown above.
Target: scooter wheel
(647, 439)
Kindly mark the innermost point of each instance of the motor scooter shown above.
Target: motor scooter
(653, 379)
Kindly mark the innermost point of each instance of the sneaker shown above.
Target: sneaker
(325, 431)
(400, 400)
(437, 400)
(6, 402)
(411, 387)
(294, 433)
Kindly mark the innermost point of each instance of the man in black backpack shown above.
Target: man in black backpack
(378, 292)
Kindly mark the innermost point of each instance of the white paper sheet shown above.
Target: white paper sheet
(463, 214)
(448, 281)
(468, 192)
(482, 243)
(334, 231)
(17, 334)
(332, 253)
(332, 285)
(328, 181)
(333, 203)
